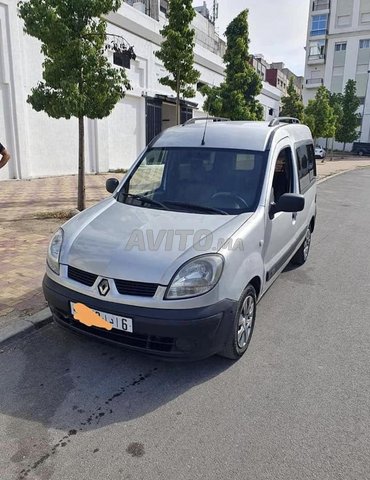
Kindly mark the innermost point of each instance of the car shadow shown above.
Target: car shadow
(69, 381)
(72, 384)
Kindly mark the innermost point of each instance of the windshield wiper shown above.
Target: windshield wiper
(145, 199)
(198, 207)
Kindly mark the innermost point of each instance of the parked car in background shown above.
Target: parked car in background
(175, 261)
(361, 148)
(320, 152)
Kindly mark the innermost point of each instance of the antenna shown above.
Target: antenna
(205, 130)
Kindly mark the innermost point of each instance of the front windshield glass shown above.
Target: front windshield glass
(196, 180)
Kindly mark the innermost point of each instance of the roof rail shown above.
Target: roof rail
(278, 120)
(211, 119)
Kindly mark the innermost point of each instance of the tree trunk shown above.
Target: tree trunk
(81, 165)
(332, 149)
(344, 146)
(178, 111)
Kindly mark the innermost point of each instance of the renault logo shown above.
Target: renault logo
(103, 287)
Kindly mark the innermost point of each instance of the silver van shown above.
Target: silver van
(175, 261)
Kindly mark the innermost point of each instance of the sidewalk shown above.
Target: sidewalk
(24, 237)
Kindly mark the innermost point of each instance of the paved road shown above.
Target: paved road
(295, 407)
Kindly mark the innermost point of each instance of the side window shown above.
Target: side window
(311, 162)
(306, 165)
(283, 174)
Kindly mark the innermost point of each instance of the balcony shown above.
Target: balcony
(324, 5)
(316, 59)
(316, 33)
(314, 82)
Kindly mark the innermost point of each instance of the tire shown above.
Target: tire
(243, 325)
(360, 153)
(302, 253)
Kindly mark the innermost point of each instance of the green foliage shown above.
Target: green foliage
(177, 49)
(292, 103)
(320, 116)
(347, 130)
(235, 98)
(336, 102)
(78, 79)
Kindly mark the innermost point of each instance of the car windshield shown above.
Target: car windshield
(196, 180)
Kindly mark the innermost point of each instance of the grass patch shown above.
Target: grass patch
(59, 214)
(119, 170)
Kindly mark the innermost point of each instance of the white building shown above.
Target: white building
(338, 49)
(42, 146)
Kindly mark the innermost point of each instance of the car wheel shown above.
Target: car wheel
(302, 253)
(243, 325)
(360, 153)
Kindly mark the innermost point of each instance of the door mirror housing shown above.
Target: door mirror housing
(111, 184)
(288, 202)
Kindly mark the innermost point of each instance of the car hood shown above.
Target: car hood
(122, 241)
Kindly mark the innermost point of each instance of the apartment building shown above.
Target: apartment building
(338, 49)
(276, 74)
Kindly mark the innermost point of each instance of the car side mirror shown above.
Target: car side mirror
(111, 184)
(288, 202)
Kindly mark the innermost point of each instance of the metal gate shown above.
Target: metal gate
(153, 119)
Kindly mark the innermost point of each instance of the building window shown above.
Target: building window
(320, 5)
(344, 20)
(164, 6)
(122, 59)
(317, 48)
(319, 25)
(365, 43)
(340, 47)
(200, 86)
(365, 17)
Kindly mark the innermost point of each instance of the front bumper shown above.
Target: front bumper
(188, 334)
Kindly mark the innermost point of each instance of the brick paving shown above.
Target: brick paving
(24, 237)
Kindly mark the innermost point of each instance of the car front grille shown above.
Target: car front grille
(124, 287)
(136, 288)
(80, 276)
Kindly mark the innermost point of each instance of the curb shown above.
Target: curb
(327, 177)
(26, 325)
(332, 175)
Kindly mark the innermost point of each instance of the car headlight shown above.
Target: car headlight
(195, 277)
(54, 249)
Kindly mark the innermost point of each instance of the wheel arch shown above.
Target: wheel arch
(256, 283)
(312, 223)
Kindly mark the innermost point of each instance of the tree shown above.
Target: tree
(235, 98)
(177, 51)
(336, 102)
(292, 103)
(78, 80)
(319, 115)
(347, 131)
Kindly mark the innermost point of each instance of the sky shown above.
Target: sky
(277, 28)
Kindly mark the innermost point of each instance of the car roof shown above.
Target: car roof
(230, 134)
